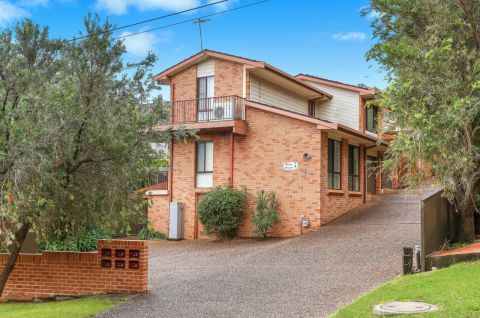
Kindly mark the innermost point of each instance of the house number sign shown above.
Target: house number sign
(290, 165)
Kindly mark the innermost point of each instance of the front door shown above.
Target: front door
(199, 231)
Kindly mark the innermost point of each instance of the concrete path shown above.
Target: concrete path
(307, 276)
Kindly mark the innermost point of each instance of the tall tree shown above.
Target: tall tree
(430, 50)
(75, 133)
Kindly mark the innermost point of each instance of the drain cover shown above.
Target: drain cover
(407, 307)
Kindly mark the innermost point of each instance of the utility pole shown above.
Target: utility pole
(200, 22)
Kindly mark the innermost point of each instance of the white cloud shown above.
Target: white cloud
(223, 5)
(120, 7)
(34, 3)
(142, 43)
(349, 36)
(10, 12)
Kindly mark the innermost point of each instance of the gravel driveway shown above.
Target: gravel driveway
(306, 276)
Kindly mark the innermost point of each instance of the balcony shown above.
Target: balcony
(209, 114)
(156, 183)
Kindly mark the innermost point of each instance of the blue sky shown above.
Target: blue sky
(326, 38)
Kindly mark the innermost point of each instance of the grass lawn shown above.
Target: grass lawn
(456, 290)
(75, 308)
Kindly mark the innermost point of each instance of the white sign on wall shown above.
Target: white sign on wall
(290, 165)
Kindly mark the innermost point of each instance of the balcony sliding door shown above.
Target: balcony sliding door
(205, 94)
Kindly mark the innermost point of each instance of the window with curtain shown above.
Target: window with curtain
(334, 164)
(353, 168)
(204, 164)
(371, 119)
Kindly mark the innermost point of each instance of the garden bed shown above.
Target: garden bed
(461, 254)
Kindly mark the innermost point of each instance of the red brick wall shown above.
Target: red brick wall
(71, 274)
(185, 84)
(335, 203)
(272, 140)
(228, 78)
(228, 81)
(158, 212)
(379, 172)
(184, 88)
(184, 190)
(258, 164)
(361, 124)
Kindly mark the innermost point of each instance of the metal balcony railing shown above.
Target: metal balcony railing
(207, 110)
(157, 180)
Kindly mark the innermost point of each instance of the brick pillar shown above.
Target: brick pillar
(344, 164)
(361, 154)
(361, 124)
(323, 161)
(378, 189)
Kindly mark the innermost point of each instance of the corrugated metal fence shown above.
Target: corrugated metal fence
(438, 225)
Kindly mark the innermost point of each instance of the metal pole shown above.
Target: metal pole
(200, 22)
(407, 260)
(201, 36)
(417, 258)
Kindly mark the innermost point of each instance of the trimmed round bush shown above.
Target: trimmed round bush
(220, 210)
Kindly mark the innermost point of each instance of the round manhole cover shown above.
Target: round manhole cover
(408, 307)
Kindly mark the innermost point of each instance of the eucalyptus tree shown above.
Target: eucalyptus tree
(430, 50)
(75, 132)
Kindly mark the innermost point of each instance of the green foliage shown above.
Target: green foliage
(84, 307)
(454, 289)
(220, 210)
(76, 129)
(430, 51)
(267, 213)
(86, 243)
(75, 132)
(147, 233)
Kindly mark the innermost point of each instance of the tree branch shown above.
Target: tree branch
(470, 18)
(88, 160)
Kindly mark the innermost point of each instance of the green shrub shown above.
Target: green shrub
(220, 210)
(86, 243)
(267, 213)
(89, 242)
(147, 233)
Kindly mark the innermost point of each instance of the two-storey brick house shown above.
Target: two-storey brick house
(305, 137)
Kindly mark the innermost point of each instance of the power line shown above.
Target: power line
(190, 20)
(149, 20)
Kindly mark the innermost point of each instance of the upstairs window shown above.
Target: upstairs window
(334, 164)
(311, 108)
(204, 164)
(371, 119)
(353, 168)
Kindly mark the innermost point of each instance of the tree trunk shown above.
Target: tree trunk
(20, 236)
(466, 225)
